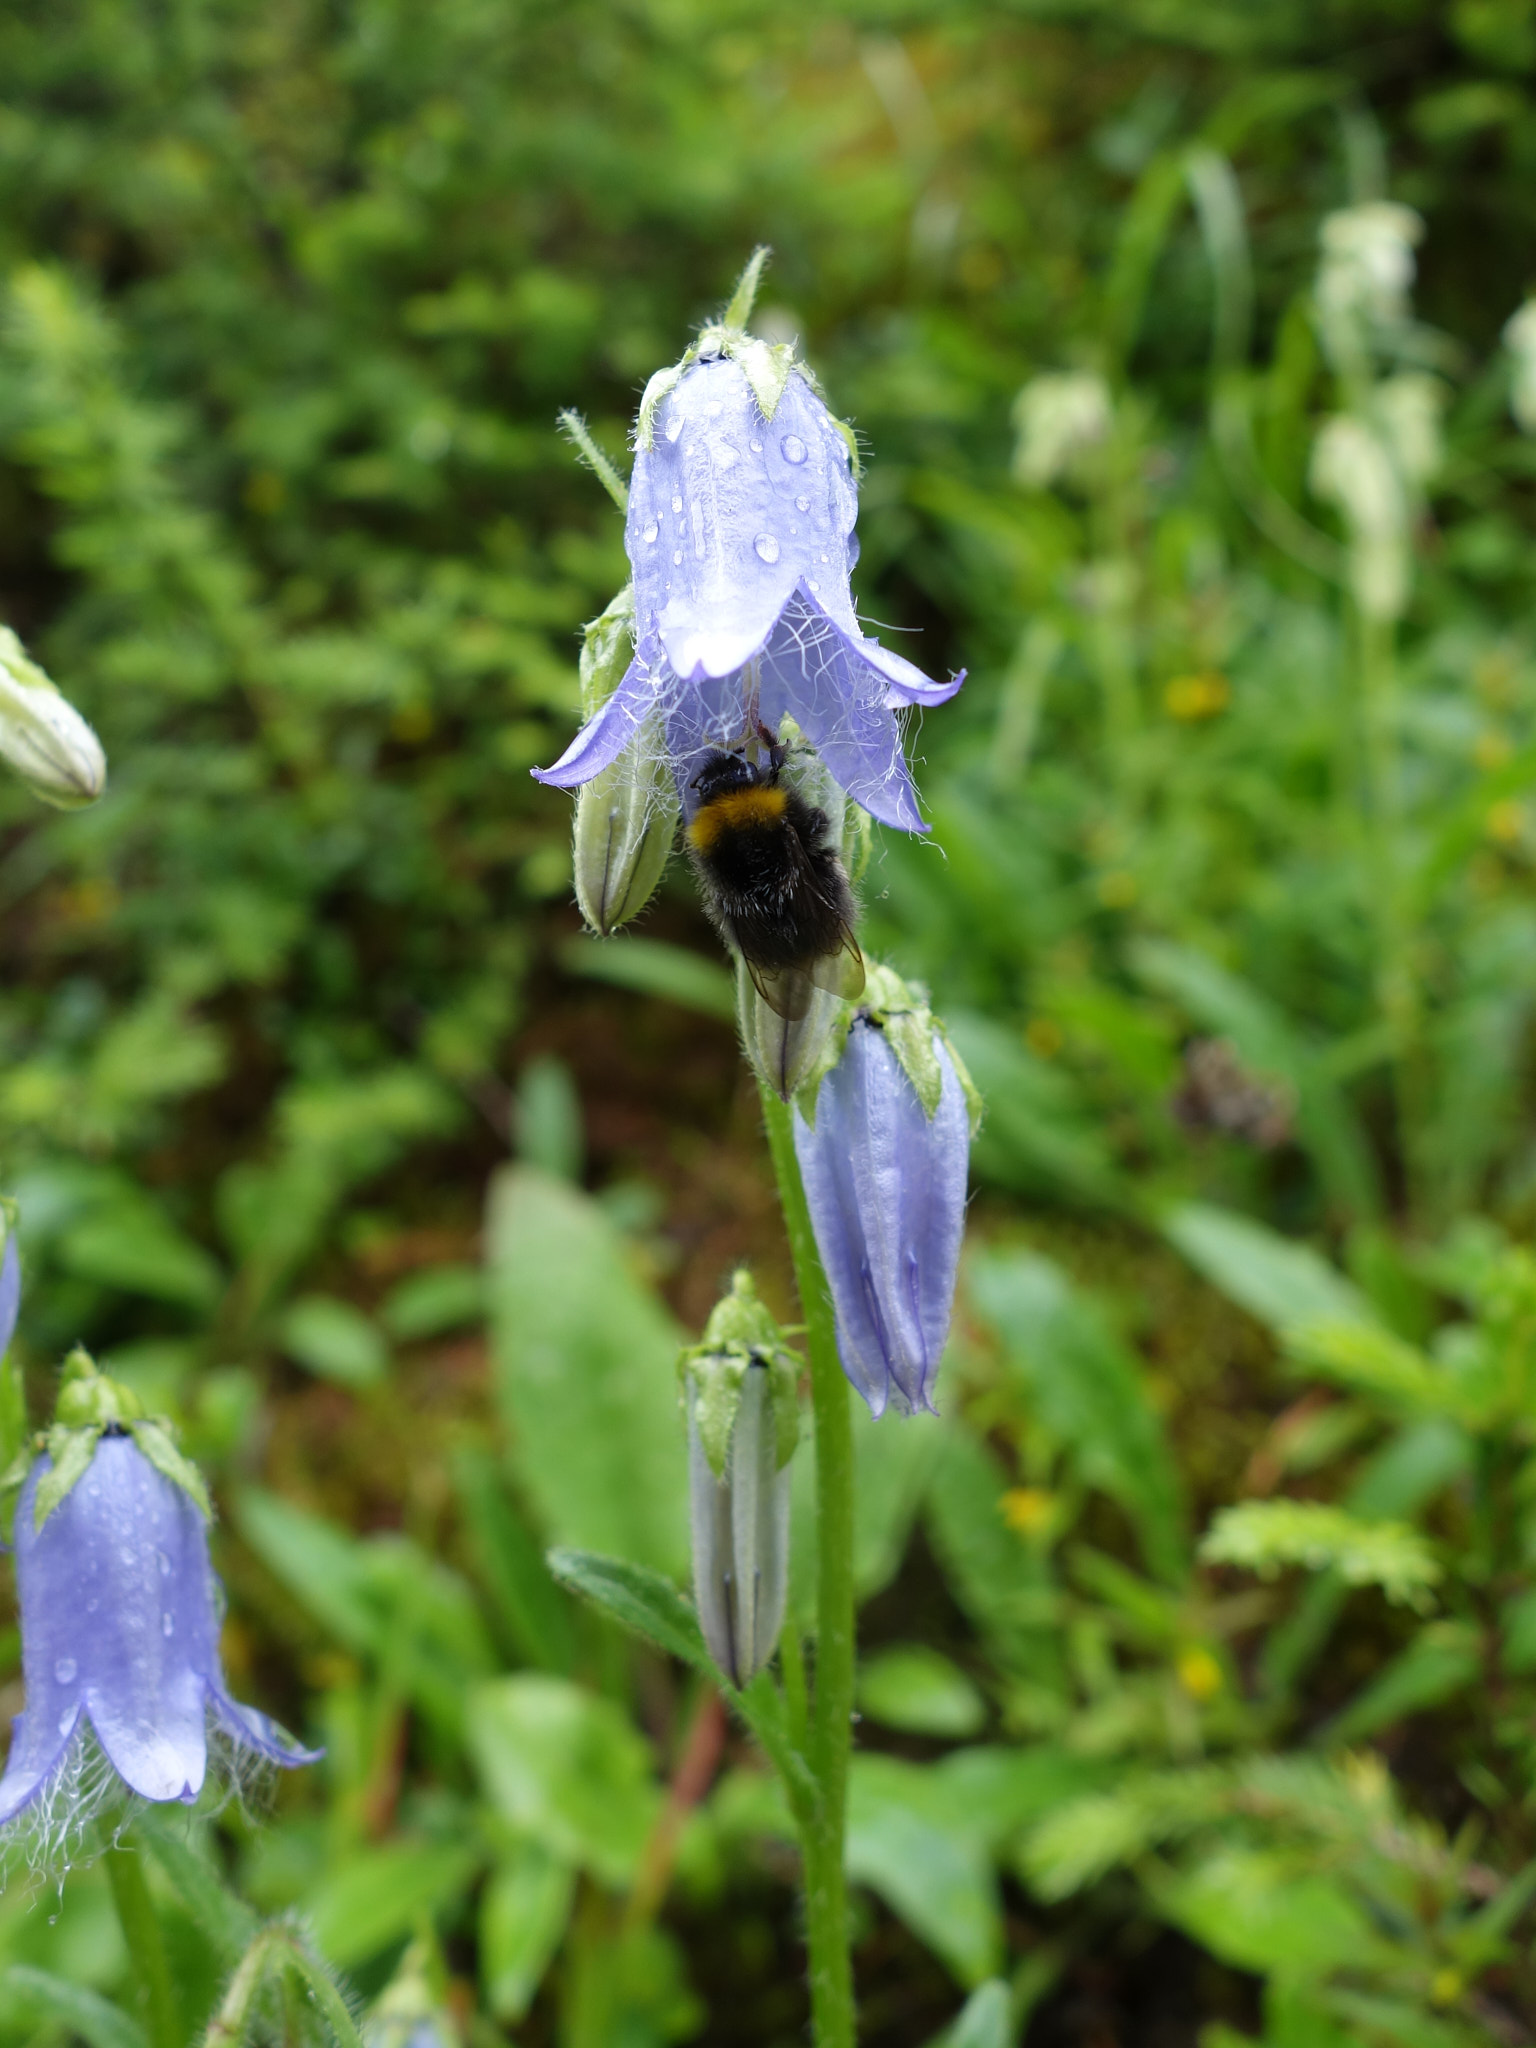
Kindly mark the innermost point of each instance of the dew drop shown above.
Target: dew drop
(650, 533)
(826, 558)
(167, 1624)
(812, 584)
(802, 504)
(92, 1604)
(674, 426)
(165, 1564)
(767, 547)
(128, 1554)
(65, 1670)
(794, 448)
(677, 559)
(53, 1918)
(677, 504)
(726, 455)
(756, 447)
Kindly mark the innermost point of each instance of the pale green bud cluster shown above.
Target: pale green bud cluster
(43, 736)
(626, 817)
(912, 1031)
(740, 1396)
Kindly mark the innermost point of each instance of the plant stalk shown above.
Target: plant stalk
(145, 1943)
(831, 1707)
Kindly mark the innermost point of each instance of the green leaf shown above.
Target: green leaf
(511, 1566)
(226, 1922)
(650, 967)
(1280, 1282)
(132, 1245)
(585, 1355)
(429, 1303)
(377, 1895)
(998, 1582)
(33, 1998)
(567, 1769)
(334, 1340)
(918, 1690)
(1086, 1390)
(985, 2020)
(640, 1600)
(1266, 1535)
(523, 1911)
(1259, 1910)
(1038, 1136)
(1441, 1662)
(934, 1876)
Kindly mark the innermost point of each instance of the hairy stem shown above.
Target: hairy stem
(145, 1943)
(831, 1708)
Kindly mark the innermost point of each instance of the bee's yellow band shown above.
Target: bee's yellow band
(741, 809)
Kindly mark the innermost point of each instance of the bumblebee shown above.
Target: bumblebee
(773, 883)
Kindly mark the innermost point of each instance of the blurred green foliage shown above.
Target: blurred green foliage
(1201, 1666)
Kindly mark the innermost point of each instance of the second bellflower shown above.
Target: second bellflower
(740, 533)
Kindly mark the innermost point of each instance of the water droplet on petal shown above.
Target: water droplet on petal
(650, 532)
(674, 426)
(66, 1670)
(767, 547)
(165, 1564)
(714, 408)
(167, 1624)
(802, 504)
(756, 447)
(794, 448)
(677, 561)
(812, 584)
(826, 558)
(677, 504)
(128, 1554)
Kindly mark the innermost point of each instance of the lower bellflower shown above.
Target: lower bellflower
(119, 1623)
(883, 1157)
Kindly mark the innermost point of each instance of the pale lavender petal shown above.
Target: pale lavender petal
(728, 511)
(819, 675)
(886, 1190)
(10, 1293)
(259, 1731)
(615, 726)
(37, 1751)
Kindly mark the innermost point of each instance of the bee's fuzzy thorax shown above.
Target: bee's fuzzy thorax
(762, 804)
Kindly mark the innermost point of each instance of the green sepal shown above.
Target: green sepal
(766, 365)
(90, 1398)
(851, 439)
(607, 646)
(154, 1439)
(12, 1480)
(913, 1033)
(739, 1337)
(71, 1451)
(13, 1391)
(657, 391)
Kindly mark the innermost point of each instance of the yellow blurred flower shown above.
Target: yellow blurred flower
(1445, 1986)
(1198, 1672)
(1505, 822)
(1193, 697)
(1028, 1509)
(1492, 748)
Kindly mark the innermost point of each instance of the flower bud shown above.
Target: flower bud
(883, 1139)
(43, 736)
(739, 1392)
(626, 816)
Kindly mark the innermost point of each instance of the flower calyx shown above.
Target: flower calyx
(740, 1337)
(901, 1010)
(626, 816)
(43, 736)
(91, 1405)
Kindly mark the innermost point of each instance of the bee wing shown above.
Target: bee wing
(786, 990)
(840, 973)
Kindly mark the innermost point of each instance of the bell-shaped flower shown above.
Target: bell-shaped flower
(740, 534)
(883, 1155)
(119, 1620)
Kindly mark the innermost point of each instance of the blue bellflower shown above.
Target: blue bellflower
(120, 1635)
(740, 533)
(885, 1182)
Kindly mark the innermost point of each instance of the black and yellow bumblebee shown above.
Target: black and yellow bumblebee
(773, 882)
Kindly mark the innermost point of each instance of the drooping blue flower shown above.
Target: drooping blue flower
(740, 533)
(120, 1636)
(884, 1172)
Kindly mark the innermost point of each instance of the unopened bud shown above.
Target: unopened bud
(739, 1390)
(626, 816)
(43, 736)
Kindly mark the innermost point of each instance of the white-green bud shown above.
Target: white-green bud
(742, 1405)
(43, 736)
(626, 816)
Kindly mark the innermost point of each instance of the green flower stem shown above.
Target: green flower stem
(831, 1713)
(145, 1943)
